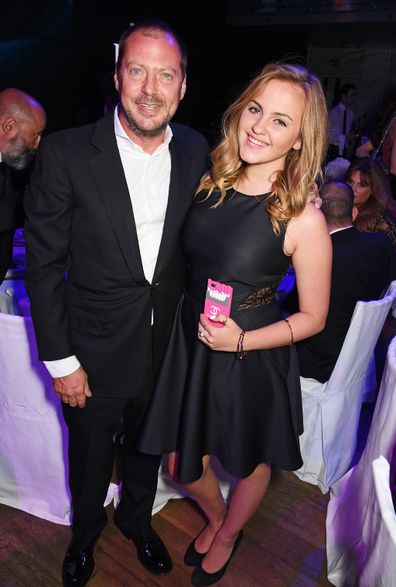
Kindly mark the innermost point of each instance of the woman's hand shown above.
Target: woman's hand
(219, 339)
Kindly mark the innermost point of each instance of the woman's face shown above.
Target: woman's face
(361, 188)
(270, 125)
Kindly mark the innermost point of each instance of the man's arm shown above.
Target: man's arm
(49, 211)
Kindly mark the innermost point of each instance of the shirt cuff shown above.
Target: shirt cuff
(62, 367)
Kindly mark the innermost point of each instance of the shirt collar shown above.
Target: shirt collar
(339, 229)
(120, 132)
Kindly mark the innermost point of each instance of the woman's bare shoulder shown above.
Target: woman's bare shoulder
(308, 227)
(310, 218)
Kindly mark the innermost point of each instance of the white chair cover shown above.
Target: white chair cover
(331, 410)
(380, 564)
(349, 526)
(33, 436)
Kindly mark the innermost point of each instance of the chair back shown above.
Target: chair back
(350, 522)
(331, 411)
(380, 564)
(366, 324)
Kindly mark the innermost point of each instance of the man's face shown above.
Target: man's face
(349, 98)
(150, 83)
(20, 150)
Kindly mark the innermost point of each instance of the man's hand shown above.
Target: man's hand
(73, 389)
(313, 196)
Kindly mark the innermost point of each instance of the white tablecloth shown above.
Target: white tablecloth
(33, 441)
(33, 436)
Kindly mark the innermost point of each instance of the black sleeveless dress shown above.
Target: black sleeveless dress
(244, 412)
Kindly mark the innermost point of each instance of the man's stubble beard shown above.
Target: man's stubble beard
(18, 156)
(134, 126)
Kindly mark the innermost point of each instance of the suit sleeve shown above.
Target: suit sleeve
(11, 211)
(49, 210)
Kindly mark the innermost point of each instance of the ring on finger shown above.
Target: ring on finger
(202, 334)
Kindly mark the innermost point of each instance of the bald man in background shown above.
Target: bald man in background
(364, 263)
(22, 121)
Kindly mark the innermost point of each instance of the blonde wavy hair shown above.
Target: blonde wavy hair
(302, 167)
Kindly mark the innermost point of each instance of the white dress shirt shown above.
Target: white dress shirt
(148, 177)
(339, 229)
(336, 122)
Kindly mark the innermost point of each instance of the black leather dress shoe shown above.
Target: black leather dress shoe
(201, 578)
(152, 553)
(78, 566)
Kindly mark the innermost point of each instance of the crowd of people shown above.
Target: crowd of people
(125, 221)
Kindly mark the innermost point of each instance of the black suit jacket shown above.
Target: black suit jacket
(12, 185)
(363, 266)
(80, 222)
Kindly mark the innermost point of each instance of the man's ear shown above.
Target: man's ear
(9, 127)
(116, 82)
(183, 88)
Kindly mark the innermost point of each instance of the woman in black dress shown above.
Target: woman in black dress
(233, 391)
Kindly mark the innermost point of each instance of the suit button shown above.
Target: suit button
(156, 284)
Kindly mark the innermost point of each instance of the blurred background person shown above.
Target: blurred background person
(336, 169)
(372, 197)
(364, 264)
(382, 142)
(22, 122)
(341, 120)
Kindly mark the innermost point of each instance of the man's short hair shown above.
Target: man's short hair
(153, 25)
(347, 88)
(337, 202)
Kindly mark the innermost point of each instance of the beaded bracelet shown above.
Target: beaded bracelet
(291, 331)
(240, 352)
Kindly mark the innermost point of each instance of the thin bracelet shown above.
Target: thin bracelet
(291, 331)
(240, 352)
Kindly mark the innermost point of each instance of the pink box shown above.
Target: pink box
(218, 299)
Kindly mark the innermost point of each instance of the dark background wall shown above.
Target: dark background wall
(61, 51)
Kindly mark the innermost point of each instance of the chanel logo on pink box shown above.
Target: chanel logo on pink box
(218, 299)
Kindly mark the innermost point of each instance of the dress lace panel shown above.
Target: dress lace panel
(262, 296)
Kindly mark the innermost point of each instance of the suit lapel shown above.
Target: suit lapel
(109, 176)
(2, 178)
(178, 203)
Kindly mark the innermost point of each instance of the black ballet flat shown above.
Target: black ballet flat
(200, 578)
(192, 557)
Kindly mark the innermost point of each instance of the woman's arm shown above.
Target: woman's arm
(308, 242)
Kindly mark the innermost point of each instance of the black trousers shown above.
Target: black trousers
(91, 458)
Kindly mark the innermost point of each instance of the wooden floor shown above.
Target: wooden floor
(284, 545)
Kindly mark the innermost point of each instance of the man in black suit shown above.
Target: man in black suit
(22, 121)
(363, 266)
(104, 274)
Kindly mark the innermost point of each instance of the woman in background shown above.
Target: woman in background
(382, 143)
(372, 197)
(233, 391)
